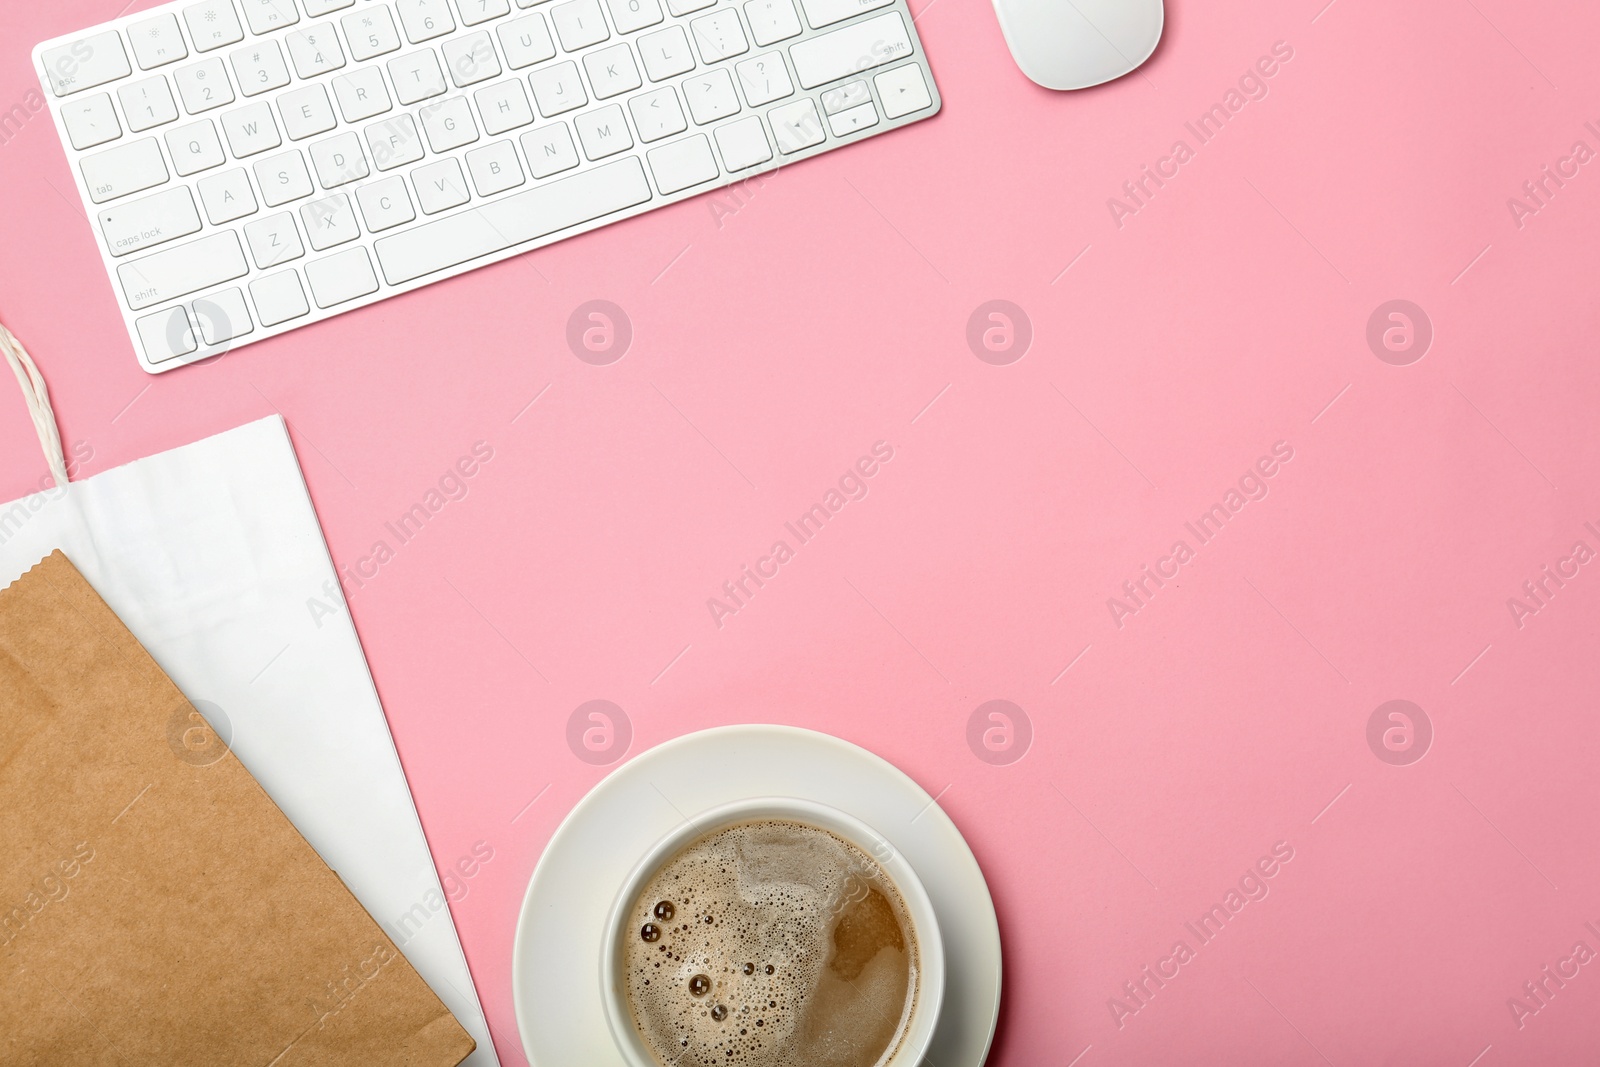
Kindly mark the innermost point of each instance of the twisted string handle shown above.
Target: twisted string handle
(37, 396)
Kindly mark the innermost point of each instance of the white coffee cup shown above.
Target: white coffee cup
(916, 1032)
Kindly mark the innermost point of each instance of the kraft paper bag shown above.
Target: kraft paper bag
(156, 908)
(211, 554)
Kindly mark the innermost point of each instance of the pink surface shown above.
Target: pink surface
(777, 338)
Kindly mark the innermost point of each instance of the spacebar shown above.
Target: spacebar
(503, 224)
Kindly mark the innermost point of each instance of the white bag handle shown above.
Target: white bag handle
(37, 396)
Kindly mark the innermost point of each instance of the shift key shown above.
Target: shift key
(856, 48)
(179, 271)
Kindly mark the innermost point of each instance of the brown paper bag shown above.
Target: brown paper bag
(156, 908)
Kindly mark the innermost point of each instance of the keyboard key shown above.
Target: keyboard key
(557, 89)
(185, 269)
(681, 8)
(330, 221)
(604, 132)
(227, 196)
(902, 91)
(764, 79)
(90, 121)
(549, 150)
(440, 186)
(494, 169)
(213, 24)
(149, 221)
(631, 15)
(370, 32)
(279, 298)
(711, 96)
(166, 335)
(503, 107)
(846, 96)
(822, 13)
(512, 220)
(796, 126)
(222, 316)
(361, 94)
(385, 204)
(157, 41)
(95, 60)
(317, 8)
(283, 178)
(274, 240)
(195, 147)
(719, 35)
(683, 164)
(666, 53)
(425, 19)
(338, 160)
(471, 59)
(259, 67)
(854, 119)
(416, 76)
(250, 129)
(656, 114)
(743, 143)
(771, 20)
(128, 168)
(579, 24)
(306, 112)
(525, 41)
(856, 48)
(315, 50)
(611, 71)
(839, 106)
(394, 142)
(265, 16)
(203, 86)
(342, 277)
(147, 103)
(448, 124)
(475, 11)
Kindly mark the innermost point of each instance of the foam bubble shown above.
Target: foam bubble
(790, 945)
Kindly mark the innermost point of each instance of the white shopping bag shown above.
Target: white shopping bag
(209, 554)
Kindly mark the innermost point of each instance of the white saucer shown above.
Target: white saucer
(555, 967)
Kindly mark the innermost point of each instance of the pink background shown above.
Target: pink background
(825, 314)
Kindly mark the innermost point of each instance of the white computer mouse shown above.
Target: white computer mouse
(1073, 44)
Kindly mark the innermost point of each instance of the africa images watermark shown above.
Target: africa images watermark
(1137, 193)
(14, 516)
(1538, 992)
(18, 115)
(456, 881)
(738, 591)
(599, 732)
(728, 201)
(1539, 191)
(1252, 887)
(1538, 591)
(1138, 592)
(51, 887)
(338, 993)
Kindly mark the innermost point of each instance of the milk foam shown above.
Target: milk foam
(770, 944)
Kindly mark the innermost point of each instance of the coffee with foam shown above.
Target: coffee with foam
(770, 943)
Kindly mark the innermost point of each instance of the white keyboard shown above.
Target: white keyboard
(253, 166)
